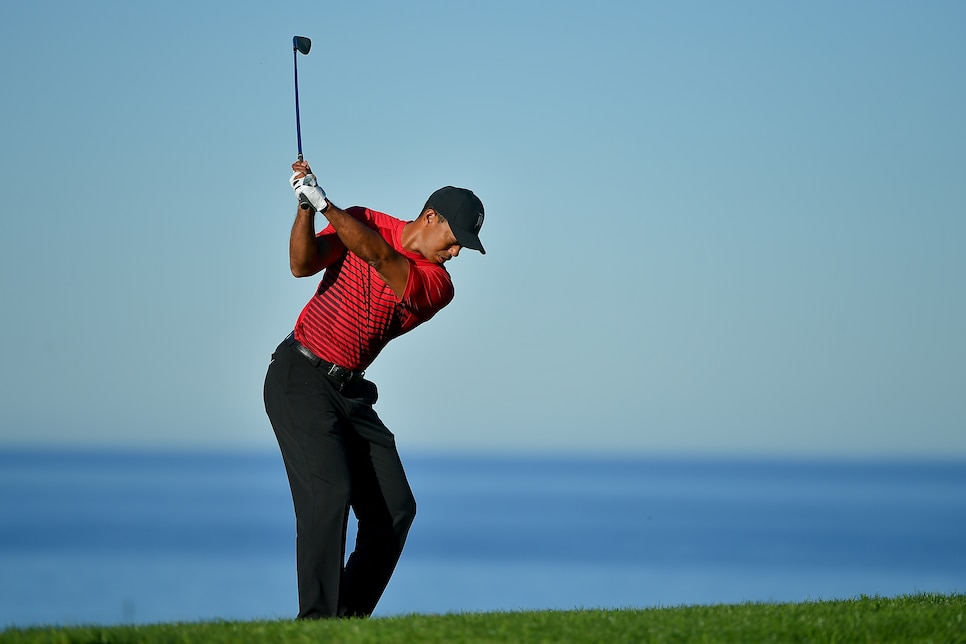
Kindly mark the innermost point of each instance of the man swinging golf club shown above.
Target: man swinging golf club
(382, 277)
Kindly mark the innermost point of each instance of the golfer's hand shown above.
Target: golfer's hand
(301, 168)
(306, 187)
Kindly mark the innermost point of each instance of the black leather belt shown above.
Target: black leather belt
(340, 376)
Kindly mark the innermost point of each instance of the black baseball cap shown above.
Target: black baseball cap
(464, 212)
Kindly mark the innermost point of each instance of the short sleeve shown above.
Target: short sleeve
(429, 289)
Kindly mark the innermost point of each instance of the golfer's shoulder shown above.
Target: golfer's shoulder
(368, 214)
(375, 219)
(362, 213)
(433, 281)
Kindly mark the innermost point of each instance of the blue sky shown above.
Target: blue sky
(712, 228)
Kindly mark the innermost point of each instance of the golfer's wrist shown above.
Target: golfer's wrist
(313, 205)
(324, 206)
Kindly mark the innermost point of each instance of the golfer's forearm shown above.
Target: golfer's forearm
(359, 238)
(307, 253)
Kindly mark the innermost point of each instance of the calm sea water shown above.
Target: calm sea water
(135, 538)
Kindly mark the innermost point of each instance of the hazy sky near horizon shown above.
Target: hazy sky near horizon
(712, 228)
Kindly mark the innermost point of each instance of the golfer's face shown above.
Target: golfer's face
(444, 245)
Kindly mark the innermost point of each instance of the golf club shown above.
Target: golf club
(300, 44)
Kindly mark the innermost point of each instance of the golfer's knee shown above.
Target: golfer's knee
(409, 513)
(403, 519)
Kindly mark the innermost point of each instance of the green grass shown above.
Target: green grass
(913, 618)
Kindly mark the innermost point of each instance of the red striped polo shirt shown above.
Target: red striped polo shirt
(354, 313)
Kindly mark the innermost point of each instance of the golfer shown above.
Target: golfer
(383, 277)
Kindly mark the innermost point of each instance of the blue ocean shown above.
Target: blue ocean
(127, 537)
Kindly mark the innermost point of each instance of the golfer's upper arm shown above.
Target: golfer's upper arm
(327, 251)
(394, 269)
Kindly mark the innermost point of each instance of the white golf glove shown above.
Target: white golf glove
(309, 191)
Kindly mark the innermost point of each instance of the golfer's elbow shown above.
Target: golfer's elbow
(302, 268)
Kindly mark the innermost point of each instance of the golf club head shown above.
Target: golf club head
(301, 44)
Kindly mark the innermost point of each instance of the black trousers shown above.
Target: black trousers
(338, 455)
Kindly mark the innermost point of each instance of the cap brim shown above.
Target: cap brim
(467, 239)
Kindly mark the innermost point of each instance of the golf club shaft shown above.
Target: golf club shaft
(298, 121)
